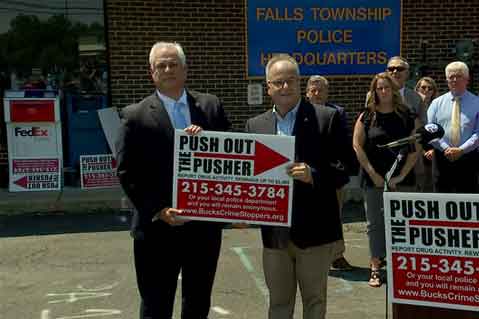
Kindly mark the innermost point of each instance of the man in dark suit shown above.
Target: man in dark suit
(317, 92)
(164, 244)
(303, 253)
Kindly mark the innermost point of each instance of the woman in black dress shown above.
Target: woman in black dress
(385, 119)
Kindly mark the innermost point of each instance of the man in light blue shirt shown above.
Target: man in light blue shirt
(300, 255)
(164, 245)
(285, 125)
(456, 165)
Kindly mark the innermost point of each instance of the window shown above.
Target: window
(53, 44)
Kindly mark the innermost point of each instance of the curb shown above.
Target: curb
(69, 199)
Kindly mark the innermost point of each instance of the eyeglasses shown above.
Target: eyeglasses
(396, 68)
(426, 87)
(455, 77)
(280, 83)
(163, 65)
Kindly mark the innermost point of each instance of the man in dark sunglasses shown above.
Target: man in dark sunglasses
(398, 68)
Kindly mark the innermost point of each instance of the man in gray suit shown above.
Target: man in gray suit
(398, 68)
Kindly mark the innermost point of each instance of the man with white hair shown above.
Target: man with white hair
(165, 245)
(455, 155)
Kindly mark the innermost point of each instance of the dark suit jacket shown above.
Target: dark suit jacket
(315, 216)
(345, 152)
(145, 153)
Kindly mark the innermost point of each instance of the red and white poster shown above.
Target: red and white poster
(233, 177)
(35, 174)
(98, 171)
(34, 136)
(433, 249)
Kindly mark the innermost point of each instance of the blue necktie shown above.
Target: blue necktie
(179, 116)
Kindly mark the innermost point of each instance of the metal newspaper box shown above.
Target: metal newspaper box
(34, 140)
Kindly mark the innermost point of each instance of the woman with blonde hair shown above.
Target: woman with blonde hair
(385, 119)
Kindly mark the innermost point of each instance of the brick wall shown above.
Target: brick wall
(212, 33)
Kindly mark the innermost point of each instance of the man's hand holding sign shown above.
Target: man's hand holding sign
(169, 215)
(301, 172)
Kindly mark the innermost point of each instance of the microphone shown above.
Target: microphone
(424, 135)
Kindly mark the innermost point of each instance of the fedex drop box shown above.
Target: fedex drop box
(34, 138)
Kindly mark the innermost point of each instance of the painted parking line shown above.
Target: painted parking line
(344, 288)
(90, 313)
(45, 314)
(221, 311)
(81, 293)
(258, 280)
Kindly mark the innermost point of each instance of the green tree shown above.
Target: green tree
(50, 44)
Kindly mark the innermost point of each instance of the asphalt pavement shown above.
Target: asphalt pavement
(58, 265)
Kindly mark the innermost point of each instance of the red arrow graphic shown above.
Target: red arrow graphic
(22, 182)
(264, 158)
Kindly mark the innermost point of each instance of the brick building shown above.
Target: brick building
(101, 47)
(213, 34)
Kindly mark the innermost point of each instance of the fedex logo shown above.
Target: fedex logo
(34, 131)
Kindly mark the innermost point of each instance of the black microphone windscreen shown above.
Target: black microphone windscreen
(430, 132)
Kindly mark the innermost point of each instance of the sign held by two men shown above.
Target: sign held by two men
(233, 177)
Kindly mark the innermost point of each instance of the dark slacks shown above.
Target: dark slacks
(191, 249)
(456, 177)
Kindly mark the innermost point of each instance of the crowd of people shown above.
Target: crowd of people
(392, 112)
(300, 255)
